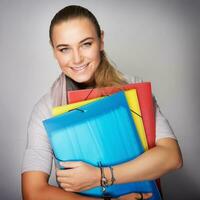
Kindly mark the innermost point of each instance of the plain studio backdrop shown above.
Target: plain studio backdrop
(156, 40)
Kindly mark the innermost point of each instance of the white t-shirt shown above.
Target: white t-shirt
(38, 155)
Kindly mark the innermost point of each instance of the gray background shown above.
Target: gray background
(157, 40)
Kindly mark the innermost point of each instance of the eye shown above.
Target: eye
(87, 44)
(64, 50)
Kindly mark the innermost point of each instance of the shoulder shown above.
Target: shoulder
(42, 109)
(38, 154)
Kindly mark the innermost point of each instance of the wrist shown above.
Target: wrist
(97, 177)
(106, 178)
(107, 174)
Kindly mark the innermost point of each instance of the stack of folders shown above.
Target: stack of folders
(144, 95)
(102, 130)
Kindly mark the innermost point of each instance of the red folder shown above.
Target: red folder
(144, 93)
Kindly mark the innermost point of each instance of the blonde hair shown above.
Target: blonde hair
(106, 74)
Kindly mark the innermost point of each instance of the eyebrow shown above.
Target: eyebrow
(61, 45)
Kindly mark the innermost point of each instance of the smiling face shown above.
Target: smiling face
(77, 48)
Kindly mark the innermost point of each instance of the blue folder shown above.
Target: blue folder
(102, 131)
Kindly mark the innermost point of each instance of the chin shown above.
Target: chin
(80, 79)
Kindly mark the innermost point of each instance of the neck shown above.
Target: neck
(85, 85)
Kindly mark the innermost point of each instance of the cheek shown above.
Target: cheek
(62, 60)
(94, 56)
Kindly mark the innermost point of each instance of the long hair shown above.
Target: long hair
(106, 74)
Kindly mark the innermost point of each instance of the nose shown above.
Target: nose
(77, 56)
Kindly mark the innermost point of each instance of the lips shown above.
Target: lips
(79, 68)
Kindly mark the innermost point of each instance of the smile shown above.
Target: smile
(80, 68)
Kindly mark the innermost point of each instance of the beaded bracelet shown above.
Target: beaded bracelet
(112, 176)
(104, 180)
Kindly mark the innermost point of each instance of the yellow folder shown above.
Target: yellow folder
(132, 100)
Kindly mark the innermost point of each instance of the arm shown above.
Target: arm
(161, 159)
(38, 160)
(35, 187)
(152, 164)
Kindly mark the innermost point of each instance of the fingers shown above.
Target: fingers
(147, 195)
(144, 195)
(70, 164)
(136, 196)
(64, 173)
(71, 187)
(65, 186)
(61, 179)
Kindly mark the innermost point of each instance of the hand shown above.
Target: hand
(135, 196)
(78, 176)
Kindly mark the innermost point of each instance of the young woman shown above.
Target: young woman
(78, 45)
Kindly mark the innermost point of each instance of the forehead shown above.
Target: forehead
(73, 30)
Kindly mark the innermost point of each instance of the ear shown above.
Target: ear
(102, 41)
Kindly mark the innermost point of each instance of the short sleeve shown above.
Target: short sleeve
(38, 154)
(163, 128)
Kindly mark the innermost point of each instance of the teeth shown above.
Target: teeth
(79, 68)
